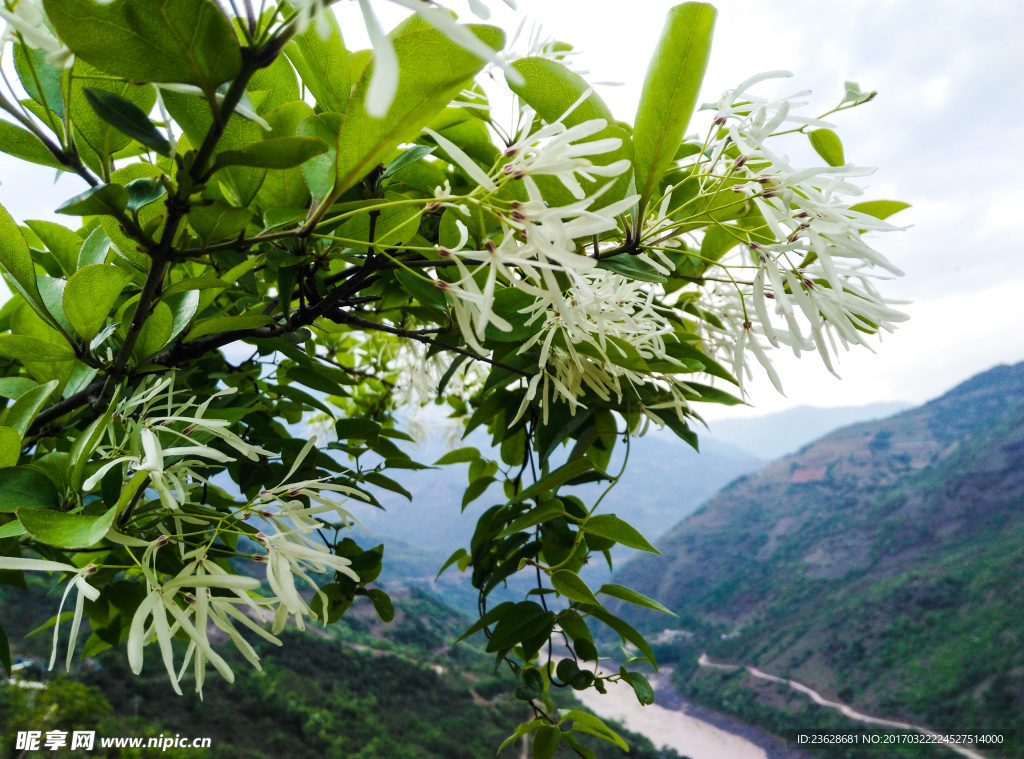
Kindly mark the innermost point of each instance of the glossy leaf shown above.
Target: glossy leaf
(91, 294)
(275, 153)
(611, 527)
(169, 41)
(670, 92)
(104, 199)
(63, 530)
(631, 596)
(125, 116)
(26, 348)
(25, 488)
(573, 587)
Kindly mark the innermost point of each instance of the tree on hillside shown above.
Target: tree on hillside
(382, 236)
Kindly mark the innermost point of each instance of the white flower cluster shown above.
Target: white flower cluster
(160, 438)
(187, 602)
(812, 272)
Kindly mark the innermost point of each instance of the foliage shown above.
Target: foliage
(364, 223)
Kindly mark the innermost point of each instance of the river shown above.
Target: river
(688, 735)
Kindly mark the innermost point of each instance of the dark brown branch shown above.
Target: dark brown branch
(343, 317)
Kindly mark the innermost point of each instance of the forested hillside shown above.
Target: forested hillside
(882, 564)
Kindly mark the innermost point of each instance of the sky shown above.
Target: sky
(944, 131)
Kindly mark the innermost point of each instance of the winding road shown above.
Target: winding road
(848, 711)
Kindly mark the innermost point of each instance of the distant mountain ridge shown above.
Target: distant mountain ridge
(883, 563)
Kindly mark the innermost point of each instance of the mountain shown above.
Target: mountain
(882, 565)
(775, 435)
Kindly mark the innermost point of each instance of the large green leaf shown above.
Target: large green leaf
(522, 622)
(550, 89)
(63, 530)
(26, 348)
(275, 153)
(25, 488)
(218, 221)
(433, 70)
(573, 587)
(23, 412)
(104, 199)
(16, 261)
(10, 446)
(22, 144)
(631, 596)
(64, 244)
(560, 476)
(168, 41)
(322, 62)
(880, 209)
(670, 92)
(611, 527)
(90, 295)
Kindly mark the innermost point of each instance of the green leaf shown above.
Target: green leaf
(24, 410)
(509, 304)
(643, 690)
(323, 64)
(167, 41)
(492, 616)
(546, 511)
(142, 192)
(41, 77)
(22, 144)
(356, 429)
(63, 530)
(572, 586)
(611, 527)
(382, 604)
(546, 741)
(670, 92)
(475, 490)
(15, 387)
(631, 267)
(458, 456)
(458, 554)
(215, 325)
(26, 488)
(523, 621)
(155, 332)
(10, 447)
(434, 69)
(218, 221)
(126, 117)
(91, 294)
(560, 476)
(275, 153)
(407, 158)
(625, 631)
(827, 144)
(550, 88)
(631, 596)
(16, 261)
(880, 209)
(591, 725)
(26, 348)
(64, 244)
(102, 200)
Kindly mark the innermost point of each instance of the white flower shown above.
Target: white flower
(77, 581)
(28, 21)
(561, 152)
(159, 615)
(290, 554)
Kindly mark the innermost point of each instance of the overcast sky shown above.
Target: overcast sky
(945, 131)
